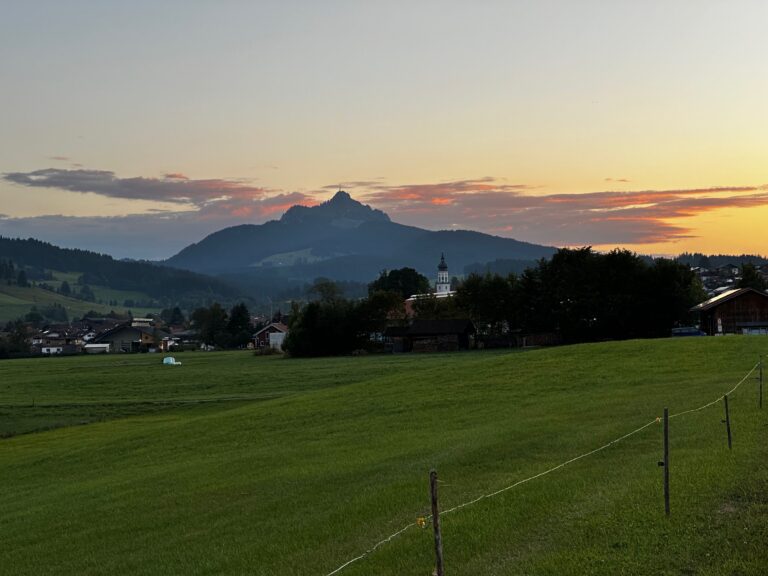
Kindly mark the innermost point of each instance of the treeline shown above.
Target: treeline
(11, 274)
(578, 296)
(217, 327)
(14, 340)
(718, 260)
(584, 296)
(160, 282)
(500, 266)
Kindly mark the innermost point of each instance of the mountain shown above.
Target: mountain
(342, 239)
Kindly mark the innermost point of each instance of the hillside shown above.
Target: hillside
(112, 282)
(16, 302)
(345, 240)
(234, 464)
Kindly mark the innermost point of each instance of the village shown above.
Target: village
(730, 309)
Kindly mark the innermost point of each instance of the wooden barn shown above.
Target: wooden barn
(127, 338)
(431, 336)
(739, 311)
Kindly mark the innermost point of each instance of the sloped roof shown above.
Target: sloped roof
(725, 297)
(279, 326)
(140, 329)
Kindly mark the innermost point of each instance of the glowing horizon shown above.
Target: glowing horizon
(611, 125)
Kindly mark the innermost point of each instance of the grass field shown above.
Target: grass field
(236, 464)
(16, 301)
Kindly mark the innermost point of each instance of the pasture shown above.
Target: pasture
(16, 302)
(237, 464)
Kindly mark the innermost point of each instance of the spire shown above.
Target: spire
(443, 285)
(442, 266)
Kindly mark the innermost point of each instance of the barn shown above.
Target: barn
(739, 311)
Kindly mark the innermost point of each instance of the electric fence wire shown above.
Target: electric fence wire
(719, 398)
(539, 475)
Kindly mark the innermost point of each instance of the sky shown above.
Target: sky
(137, 128)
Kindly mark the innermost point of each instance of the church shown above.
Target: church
(442, 287)
(443, 284)
(432, 335)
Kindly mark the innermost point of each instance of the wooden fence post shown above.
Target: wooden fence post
(436, 524)
(727, 420)
(761, 384)
(666, 461)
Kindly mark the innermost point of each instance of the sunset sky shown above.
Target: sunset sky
(136, 128)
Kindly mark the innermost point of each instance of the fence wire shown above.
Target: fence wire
(540, 474)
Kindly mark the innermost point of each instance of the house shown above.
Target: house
(57, 339)
(729, 270)
(431, 336)
(739, 311)
(127, 338)
(271, 336)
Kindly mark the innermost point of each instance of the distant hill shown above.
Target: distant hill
(344, 240)
(110, 279)
(718, 260)
(16, 302)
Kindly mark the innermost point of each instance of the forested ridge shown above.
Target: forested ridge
(99, 269)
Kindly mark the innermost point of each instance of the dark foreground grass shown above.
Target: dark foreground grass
(45, 393)
(329, 456)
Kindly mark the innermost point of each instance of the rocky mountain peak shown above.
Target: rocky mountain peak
(341, 211)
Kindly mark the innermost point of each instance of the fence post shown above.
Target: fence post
(761, 383)
(727, 420)
(666, 461)
(436, 524)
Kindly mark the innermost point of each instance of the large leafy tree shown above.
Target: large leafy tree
(172, 316)
(15, 343)
(325, 290)
(239, 325)
(326, 328)
(404, 281)
(751, 278)
(211, 324)
(491, 301)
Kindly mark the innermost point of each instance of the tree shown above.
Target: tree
(239, 325)
(490, 301)
(404, 281)
(430, 307)
(325, 290)
(751, 278)
(34, 317)
(675, 289)
(211, 324)
(585, 296)
(55, 312)
(86, 294)
(326, 329)
(16, 343)
(65, 289)
(172, 317)
(21, 279)
(380, 308)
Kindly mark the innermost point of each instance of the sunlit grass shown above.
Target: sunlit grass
(235, 464)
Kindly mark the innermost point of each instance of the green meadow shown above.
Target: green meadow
(16, 301)
(237, 464)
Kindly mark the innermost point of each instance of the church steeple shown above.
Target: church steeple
(443, 284)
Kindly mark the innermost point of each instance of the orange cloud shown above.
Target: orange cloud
(639, 216)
